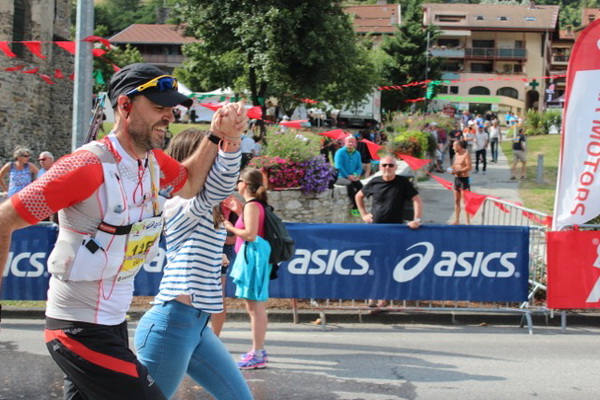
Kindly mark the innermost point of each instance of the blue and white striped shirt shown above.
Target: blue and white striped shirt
(194, 246)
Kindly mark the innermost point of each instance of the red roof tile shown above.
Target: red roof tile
(380, 18)
(154, 34)
(491, 17)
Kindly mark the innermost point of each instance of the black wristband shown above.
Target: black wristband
(214, 138)
(0, 312)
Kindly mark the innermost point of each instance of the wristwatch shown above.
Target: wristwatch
(214, 138)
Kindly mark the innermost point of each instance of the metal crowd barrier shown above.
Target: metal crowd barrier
(493, 212)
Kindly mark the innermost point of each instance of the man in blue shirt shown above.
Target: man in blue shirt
(349, 165)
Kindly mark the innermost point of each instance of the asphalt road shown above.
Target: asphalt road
(364, 361)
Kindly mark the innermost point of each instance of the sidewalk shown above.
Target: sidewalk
(438, 202)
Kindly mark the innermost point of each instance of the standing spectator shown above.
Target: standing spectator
(173, 338)
(365, 154)
(46, 159)
(252, 257)
(328, 148)
(453, 136)
(460, 169)
(20, 172)
(231, 208)
(247, 149)
(479, 120)
(465, 118)
(495, 139)
(109, 194)
(481, 143)
(193, 115)
(469, 135)
(390, 193)
(257, 150)
(349, 165)
(519, 146)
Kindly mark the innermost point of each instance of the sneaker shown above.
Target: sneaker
(247, 356)
(512, 178)
(254, 362)
(522, 177)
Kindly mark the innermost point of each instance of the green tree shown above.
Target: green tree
(103, 67)
(112, 16)
(408, 59)
(289, 49)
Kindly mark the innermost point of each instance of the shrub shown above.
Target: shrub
(291, 162)
(287, 146)
(413, 143)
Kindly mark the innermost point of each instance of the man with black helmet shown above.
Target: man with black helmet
(110, 194)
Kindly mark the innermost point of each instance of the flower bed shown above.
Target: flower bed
(294, 163)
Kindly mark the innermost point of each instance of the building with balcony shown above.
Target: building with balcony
(159, 44)
(492, 54)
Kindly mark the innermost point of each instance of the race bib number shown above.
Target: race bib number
(142, 237)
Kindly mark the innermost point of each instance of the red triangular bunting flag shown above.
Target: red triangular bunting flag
(547, 221)
(532, 217)
(212, 106)
(31, 71)
(35, 48)
(294, 124)
(47, 79)
(72, 76)
(58, 74)
(413, 162)
(447, 184)
(93, 38)
(473, 201)
(336, 134)
(373, 148)
(98, 52)
(68, 46)
(255, 112)
(4, 47)
(16, 68)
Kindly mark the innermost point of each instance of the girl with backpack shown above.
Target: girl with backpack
(251, 269)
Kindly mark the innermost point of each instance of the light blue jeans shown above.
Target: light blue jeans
(173, 339)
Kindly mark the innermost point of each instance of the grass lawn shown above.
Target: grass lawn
(538, 196)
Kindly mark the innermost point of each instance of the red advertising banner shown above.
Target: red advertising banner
(577, 191)
(573, 269)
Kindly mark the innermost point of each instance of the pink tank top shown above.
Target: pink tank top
(261, 225)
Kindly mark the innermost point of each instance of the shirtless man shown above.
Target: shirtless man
(460, 169)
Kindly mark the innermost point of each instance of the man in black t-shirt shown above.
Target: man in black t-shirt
(390, 193)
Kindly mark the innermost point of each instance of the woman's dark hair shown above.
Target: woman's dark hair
(462, 143)
(185, 143)
(254, 179)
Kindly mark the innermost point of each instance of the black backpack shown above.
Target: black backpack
(282, 245)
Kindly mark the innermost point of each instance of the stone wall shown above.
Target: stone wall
(331, 206)
(34, 113)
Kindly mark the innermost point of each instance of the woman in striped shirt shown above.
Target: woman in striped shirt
(173, 338)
